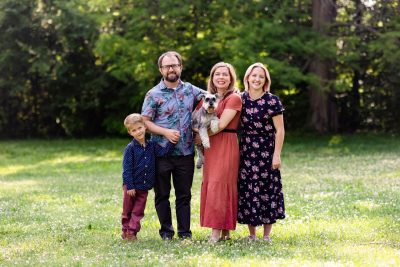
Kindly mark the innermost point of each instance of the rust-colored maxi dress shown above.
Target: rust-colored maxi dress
(219, 197)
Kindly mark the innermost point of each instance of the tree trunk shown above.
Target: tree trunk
(357, 75)
(323, 110)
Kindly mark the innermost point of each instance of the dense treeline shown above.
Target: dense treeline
(76, 68)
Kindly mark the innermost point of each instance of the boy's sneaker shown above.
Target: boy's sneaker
(130, 237)
(123, 235)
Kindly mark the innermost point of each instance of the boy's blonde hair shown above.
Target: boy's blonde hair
(132, 119)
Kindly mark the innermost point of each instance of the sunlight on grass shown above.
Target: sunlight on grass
(17, 186)
(77, 159)
(365, 254)
(322, 195)
(322, 231)
(43, 198)
(62, 206)
(366, 204)
(335, 140)
(12, 169)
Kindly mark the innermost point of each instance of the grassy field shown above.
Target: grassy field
(60, 204)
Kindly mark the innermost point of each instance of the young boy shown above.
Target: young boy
(138, 174)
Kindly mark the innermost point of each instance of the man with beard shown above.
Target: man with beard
(167, 111)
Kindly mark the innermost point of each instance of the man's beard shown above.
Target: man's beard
(172, 78)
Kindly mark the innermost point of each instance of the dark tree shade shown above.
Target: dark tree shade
(77, 68)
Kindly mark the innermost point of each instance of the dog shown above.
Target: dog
(204, 118)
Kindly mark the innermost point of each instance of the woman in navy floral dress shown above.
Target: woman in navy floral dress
(262, 133)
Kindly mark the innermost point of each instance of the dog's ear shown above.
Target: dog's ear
(216, 95)
(202, 96)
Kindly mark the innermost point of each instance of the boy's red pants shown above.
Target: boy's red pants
(133, 210)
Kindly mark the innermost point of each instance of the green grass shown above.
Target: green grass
(60, 204)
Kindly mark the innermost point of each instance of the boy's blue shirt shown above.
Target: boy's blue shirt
(139, 164)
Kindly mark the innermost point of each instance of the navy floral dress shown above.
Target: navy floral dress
(260, 188)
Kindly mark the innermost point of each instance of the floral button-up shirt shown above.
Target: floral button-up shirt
(172, 109)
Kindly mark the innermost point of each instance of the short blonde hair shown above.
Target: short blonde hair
(266, 86)
(132, 119)
(231, 88)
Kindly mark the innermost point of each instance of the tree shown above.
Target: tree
(78, 67)
(367, 81)
(323, 114)
(49, 83)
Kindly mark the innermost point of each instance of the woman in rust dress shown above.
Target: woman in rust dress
(219, 199)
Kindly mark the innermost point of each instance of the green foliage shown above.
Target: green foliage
(49, 81)
(77, 68)
(206, 32)
(62, 205)
(368, 77)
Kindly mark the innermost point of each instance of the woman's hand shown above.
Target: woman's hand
(279, 136)
(276, 162)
